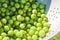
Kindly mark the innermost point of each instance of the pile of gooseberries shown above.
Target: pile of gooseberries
(22, 20)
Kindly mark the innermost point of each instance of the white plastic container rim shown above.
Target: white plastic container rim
(54, 19)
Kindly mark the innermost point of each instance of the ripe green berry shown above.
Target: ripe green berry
(46, 24)
(31, 32)
(17, 5)
(22, 26)
(43, 15)
(35, 37)
(20, 12)
(10, 32)
(16, 0)
(13, 9)
(10, 22)
(1, 38)
(4, 21)
(33, 16)
(18, 34)
(39, 25)
(42, 33)
(23, 1)
(18, 38)
(34, 11)
(3, 10)
(5, 5)
(3, 34)
(0, 24)
(20, 18)
(6, 38)
(6, 28)
(41, 6)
